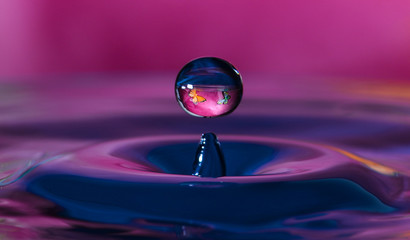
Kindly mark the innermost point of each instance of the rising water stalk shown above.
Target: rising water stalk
(209, 159)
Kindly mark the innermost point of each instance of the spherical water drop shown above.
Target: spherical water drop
(208, 87)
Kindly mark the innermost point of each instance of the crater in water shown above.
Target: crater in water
(271, 184)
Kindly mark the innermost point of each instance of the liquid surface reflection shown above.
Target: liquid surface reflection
(92, 158)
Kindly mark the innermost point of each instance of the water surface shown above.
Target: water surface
(110, 157)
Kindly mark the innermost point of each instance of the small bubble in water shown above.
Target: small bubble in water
(208, 87)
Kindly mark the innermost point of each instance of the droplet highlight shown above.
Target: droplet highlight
(208, 87)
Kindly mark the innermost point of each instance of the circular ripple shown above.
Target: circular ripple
(146, 178)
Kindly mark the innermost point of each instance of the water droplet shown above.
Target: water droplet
(208, 87)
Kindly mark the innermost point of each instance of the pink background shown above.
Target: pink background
(349, 38)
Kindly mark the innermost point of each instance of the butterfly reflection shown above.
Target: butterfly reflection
(225, 99)
(195, 97)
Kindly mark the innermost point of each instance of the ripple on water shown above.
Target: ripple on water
(274, 187)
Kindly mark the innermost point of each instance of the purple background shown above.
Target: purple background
(367, 39)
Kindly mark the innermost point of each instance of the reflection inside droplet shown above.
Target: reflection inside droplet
(208, 87)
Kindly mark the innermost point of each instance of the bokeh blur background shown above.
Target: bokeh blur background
(367, 39)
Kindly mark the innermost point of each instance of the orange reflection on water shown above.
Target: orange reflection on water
(372, 165)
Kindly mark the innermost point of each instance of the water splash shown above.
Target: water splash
(283, 185)
(209, 159)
